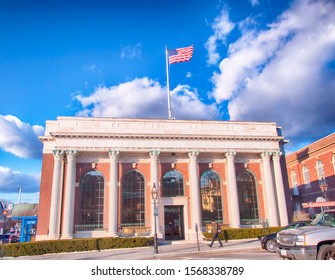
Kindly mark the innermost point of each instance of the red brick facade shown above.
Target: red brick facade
(144, 169)
(45, 194)
(305, 159)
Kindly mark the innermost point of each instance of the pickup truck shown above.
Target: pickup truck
(313, 242)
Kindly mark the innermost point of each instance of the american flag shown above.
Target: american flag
(180, 54)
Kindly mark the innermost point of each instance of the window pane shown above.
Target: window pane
(172, 184)
(211, 197)
(133, 199)
(306, 177)
(321, 175)
(91, 201)
(293, 179)
(247, 197)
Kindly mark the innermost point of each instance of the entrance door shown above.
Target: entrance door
(174, 222)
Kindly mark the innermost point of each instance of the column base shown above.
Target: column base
(52, 237)
(235, 225)
(113, 234)
(67, 236)
(159, 234)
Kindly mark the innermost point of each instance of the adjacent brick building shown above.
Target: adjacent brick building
(311, 172)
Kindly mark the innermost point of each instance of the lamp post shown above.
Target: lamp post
(4, 213)
(324, 188)
(154, 195)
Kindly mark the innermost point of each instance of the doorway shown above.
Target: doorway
(174, 222)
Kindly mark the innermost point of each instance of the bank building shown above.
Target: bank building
(98, 177)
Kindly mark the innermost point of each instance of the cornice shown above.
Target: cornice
(69, 135)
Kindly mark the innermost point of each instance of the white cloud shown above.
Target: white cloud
(254, 3)
(19, 138)
(89, 68)
(222, 27)
(92, 68)
(186, 105)
(144, 98)
(130, 51)
(282, 74)
(10, 180)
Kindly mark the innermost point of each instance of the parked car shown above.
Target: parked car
(269, 243)
(315, 242)
(9, 238)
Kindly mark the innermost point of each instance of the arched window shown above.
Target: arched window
(247, 197)
(211, 197)
(295, 183)
(133, 211)
(172, 184)
(91, 211)
(321, 173)
(305, 173)
(294, 179)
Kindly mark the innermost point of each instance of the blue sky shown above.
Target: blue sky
(254, 60)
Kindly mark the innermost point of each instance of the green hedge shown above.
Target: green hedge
(72, 245)
(242, 233)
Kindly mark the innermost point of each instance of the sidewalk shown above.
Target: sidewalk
(182, 247)
(165, 249)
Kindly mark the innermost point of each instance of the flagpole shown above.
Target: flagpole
(168, 83)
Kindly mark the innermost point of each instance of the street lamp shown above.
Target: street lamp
(154, 195)
(4, 213)
(324, 188)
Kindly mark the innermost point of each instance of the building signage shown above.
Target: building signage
(318, 204)
(31, 222)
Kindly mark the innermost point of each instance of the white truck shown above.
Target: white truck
(313, 242)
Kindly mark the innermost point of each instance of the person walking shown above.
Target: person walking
(216, 229)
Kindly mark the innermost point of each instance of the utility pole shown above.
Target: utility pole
(20, 190)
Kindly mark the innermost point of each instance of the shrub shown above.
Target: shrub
(300, 215)
(242, 233)
(72, 245)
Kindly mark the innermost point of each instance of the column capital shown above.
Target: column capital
(266, 155)
(276, 155)
(193, 154)
(58, 154)
(114, 154)
(154, 154)
(230, 155)
(71, 154)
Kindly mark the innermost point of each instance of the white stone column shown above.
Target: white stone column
(154, 156)
(234, 210)
(195, 194)
(269, 190)
(69, 196)
(56, 194)
(113, 193)
(280, 189)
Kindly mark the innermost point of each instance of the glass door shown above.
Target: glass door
(174, 222)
